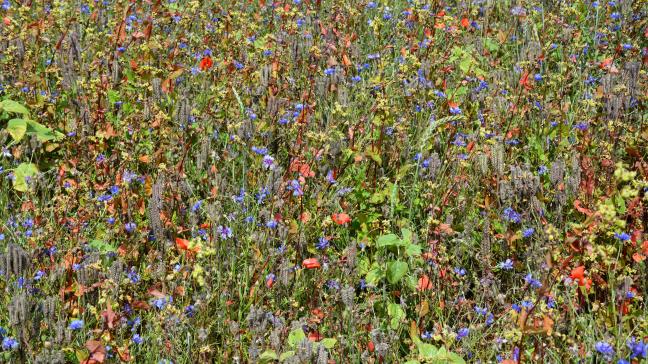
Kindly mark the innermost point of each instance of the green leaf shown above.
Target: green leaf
(413, 250)
(456, 359)
(396, 270)
(427, 351)
(407, 235)
(286, 355)
(42, 132)
(387, 240)
(374, 276)
(329, 342)
(13, 107)
(23, 170)
(102, 246)
(268, 356)
(17, 128)
(295, 337)
(395, 311)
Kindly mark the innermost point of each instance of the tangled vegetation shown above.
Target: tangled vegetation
(297, 181)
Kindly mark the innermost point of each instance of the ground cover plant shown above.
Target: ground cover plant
(308, 181)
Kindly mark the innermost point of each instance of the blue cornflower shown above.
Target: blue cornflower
(190, 311)
(268, 162)
(622, 236)
(224, 231)
(426, 335)
(528, 232)
(130, 227)
(605, 349)
(322, 244)
(295, 186)
(137, 339)
(532, 281)
(76, 325)
(481, 310)
(271, 224)
(133, 276)
(463, 332)
(196, 206)
(510, 215)
(506, 265)
(638, 349)
(460, 271)
(9, 343)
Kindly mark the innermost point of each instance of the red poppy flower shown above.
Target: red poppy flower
(465, 22)
(311, 263)
(578, 274)
(206, 63)
(524, 81)
(183, 244)
(341, 218)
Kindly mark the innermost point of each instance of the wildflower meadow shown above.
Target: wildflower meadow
(323, 181)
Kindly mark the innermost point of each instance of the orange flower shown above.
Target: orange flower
(465, 23)
(424, 283)
(578, 274)
(311, 263)
(183, 244)
(206, 63)
(341, 218)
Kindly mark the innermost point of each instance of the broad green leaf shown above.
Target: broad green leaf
(13, 107)
(329, 342)
(102, 246)
(268, 356)
(396, 270)
(387, 240)
(395, 311)
(374, 276)
(17, 128)
(286, 355)
(407, 235)
(20, 173)
(455, 358)
(42, 132)
(413, 250)
(426, 351)
(295, 337)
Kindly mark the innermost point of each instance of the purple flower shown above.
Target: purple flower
(130, 227)
(510, 215)
(532, 281)
(268, 162)
(463, 332)
(322, 244)
(295, 187)
(224, 231)
(528, 232)
(137, 339)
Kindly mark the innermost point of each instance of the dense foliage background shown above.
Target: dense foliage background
(323, 181)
